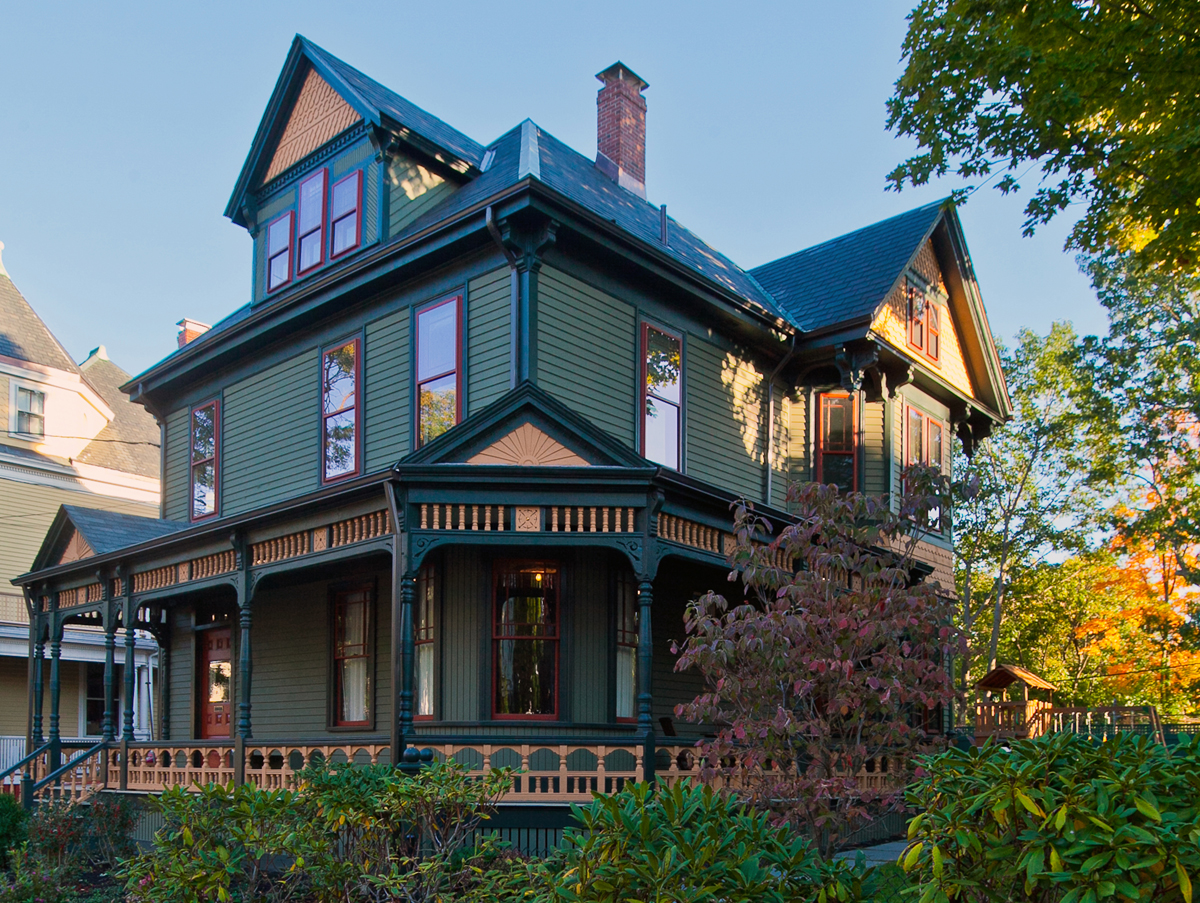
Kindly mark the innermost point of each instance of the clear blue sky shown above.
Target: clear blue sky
(123, 127)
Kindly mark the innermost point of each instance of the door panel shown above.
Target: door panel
(216, 684)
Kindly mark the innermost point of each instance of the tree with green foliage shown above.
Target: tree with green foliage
(1102, 95)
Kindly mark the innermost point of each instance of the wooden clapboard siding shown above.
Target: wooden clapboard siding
(725, 398)
(414, 190)
(587, 352)
(14, 673)
(388, 390)
(465, 579)
(488, 339)
(175, 466)
(29, 510)
(181, 675)
(270, 431)
(799, 441)
(671, 687)
(291, 651)
(874, 458)
(586, 607)
(780, 465)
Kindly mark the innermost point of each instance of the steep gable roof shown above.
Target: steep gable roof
(130, 441)
(847, 278)
(101, 531)
(23, 335)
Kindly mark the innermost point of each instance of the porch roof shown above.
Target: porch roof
(1006, 675)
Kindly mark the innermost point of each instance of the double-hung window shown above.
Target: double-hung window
(924, 440)
(924, 321)
(352, 657)
(439, 341)
(662, 395)
(310, 225)
(344, 222)
(205, 458)
(525, 641)
(837, 446)
(340, 435)
(31, 412)
(279, 252)
(627, 642)
(423, 672)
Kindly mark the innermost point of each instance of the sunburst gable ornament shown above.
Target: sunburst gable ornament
(527, 446)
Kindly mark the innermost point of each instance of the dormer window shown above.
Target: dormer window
(347, 200)
(31, 410)
(311, 221)
(279, 252)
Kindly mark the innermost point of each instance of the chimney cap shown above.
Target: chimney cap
(618, 71)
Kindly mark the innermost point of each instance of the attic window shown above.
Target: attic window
(924, 320)
(311, 220)
(347, 200)
(279, 252)
(31, 410)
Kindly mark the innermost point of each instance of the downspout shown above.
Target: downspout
(771, 416)
(514, 304)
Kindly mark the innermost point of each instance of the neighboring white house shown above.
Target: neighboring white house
(68, 436)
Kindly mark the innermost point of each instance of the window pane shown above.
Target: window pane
(439, 407)
(310, 250)
(837, 423)
(338, 378)
(312, 193)
(933, 324)
(31, 424)
(345, 196)
(279, 266)
(204, 490)
(662, 365)
(526, 647)
(437, 341)
(935, 444)
(662, 432)
(916, 443)
(31, 401)
(424, 675)
(626, 681)
(353, 679)
(339, 443)
(219, 674)
(204, 432)
(345, 233)
(525, 672)
(839, 471)
(279, 234)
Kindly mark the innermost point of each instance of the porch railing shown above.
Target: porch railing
(1013, 720)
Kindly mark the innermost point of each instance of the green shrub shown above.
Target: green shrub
(689, 842)
(1059, 819)
(12, 827)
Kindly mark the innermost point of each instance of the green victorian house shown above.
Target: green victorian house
(448, 480)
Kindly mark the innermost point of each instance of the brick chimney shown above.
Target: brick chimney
(190, 330)
(621, 128)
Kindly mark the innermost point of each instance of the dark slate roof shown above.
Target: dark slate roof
(108, 531)
(396, 107)
(130, 441)
(24, 336)
(846, 278)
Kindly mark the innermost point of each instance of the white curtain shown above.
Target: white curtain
(626, 681)
(425, 679)
(354, 689)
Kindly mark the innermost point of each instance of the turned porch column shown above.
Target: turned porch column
(55, 683)
(39, 677)
(406, 657)
(129, 620)
(645, 679)
(109, 728)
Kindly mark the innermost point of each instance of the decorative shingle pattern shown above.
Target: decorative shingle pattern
(24, 336)
(318, 115)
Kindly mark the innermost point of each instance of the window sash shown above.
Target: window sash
(279, 252)
(438, 383)
(340, 432)
(424, 636)
(310, 222)
(662, 396)
(31, 410)
(832, 457)
(525, 668)
(204, 469)
(346, 202)
(626, 652)
(352, 658)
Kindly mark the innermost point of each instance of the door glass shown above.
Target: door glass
(218, 681)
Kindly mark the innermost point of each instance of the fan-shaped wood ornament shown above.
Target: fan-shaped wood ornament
(529, 447)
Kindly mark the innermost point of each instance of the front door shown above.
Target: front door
(216, 672)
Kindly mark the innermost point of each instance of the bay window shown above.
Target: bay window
(837, 445)
(279, 252)
(352, 657)
(344, 214)
(340, 435)
(205, 453)
(439, 396)
(310, 228)
(662, 398)
(525, 641)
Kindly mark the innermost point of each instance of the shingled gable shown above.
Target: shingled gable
(364, 99)
(560, 438)
(78, 533)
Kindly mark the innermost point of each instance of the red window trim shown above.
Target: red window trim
(215, 404)
(321, 224)
(358, 236)
(455, 299)
(358, 419)
(502, 567)
(337, 598)
(291, 250)
(926, 420)
(645, 392)
(430, 636)
(929, 348)
(853, 453)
